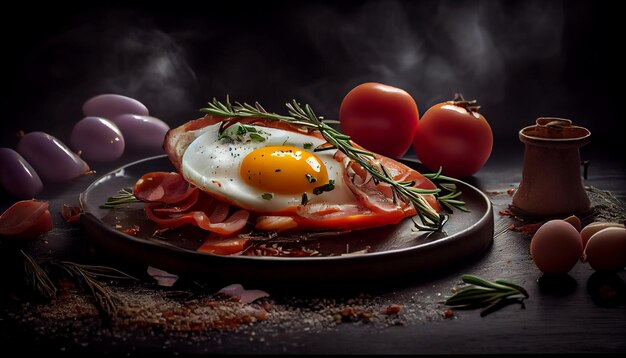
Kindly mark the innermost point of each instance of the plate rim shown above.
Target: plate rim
(487, 215)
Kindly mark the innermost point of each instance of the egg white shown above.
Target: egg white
(213, 165)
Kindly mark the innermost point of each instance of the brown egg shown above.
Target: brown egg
(589, 230)
(606, 250)
(556, 247)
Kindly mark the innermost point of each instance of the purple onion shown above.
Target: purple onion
(142, 133)
(110, 106)
(53, 161)
(97, 139)
(17, 176)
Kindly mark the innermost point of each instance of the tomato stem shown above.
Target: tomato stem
(471, 106)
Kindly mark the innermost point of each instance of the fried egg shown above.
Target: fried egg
(265, 170)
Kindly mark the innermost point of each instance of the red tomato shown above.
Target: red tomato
(454, 136)
(381, 118)
(26, 219)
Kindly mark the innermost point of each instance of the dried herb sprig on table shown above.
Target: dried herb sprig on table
(490, 294)
(37, 279)
(86, 276)
(305, 117)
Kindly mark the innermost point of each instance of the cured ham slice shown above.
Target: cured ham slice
(373, 204)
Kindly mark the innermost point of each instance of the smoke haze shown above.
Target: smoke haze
(520, 59)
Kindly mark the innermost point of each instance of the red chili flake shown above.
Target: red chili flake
(131, 230)
(219, 185)
(65, 284)
(505, 212)
(528, 228)
(70, 213)
(392, 309)
(448, 313)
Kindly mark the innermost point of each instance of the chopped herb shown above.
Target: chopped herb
(326, 187)
(124, 196)
(305, 199)
(310, 178)
(307, 145)
(257, 137)
(241, 133)
(276, 170)
(267, 196)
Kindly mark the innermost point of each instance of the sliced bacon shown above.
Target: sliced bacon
(224, 246)
(230, 226)
(378, 197)
(172, 202)
(162, 187)
(375, 204)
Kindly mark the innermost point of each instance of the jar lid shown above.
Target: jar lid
(552, 131)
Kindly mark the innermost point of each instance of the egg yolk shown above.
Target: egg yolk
(283, 170)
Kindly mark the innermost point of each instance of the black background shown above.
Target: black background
(520, 59)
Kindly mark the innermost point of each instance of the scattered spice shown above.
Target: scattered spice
(505, 212)
(393, 309)
(133, 231)
(530, 229)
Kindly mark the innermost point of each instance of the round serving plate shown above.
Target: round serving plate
(382, 253)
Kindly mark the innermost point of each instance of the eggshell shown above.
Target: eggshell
(606, 250)
(588, 231)
(574, 221)
(556, 247)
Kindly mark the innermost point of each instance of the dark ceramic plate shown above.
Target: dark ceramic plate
(367, 254)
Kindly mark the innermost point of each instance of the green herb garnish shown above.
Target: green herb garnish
(310, 178)
(307, 145)
(267, 196)
(124, 196)
(306, 118)
(326, 187)
(449, 200)
(305, 199)
(241, 133)
(483, 293)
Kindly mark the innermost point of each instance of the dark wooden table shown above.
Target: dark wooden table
(559, 316)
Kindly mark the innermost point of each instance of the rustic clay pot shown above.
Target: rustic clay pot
(551, 182)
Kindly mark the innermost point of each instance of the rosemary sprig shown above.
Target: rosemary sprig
(37, 276)
(88, 277)
(124, 196)
(483, 293)
(449, 200)
(37, 279)
(305, 117)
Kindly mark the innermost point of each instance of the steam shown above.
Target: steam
(312, 52)
(113, 55)
(430, 49)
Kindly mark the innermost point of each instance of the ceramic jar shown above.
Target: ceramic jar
(551, 182)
